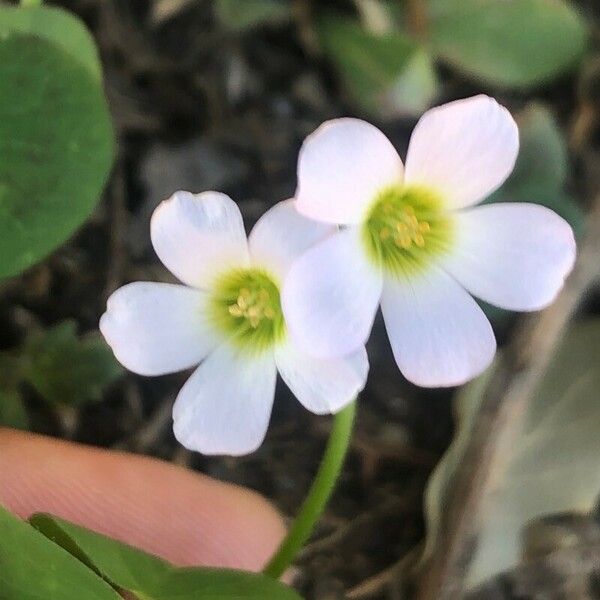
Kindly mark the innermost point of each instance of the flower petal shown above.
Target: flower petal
(282, 234)
(225, 406)
(198, 235)
(439, 334)
(464, 149)
(515, 256)
(157, 328)
(323, 386)
(342, 166)
(330, 296)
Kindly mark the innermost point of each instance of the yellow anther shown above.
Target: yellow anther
(424, 227)
(254, 322)
(384, 233)
(402, 227)
(254, 312)
(419, 240)
(413, 221)
(235, 310)
(409, 210)
(404, 242)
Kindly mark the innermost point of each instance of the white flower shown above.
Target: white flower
(412, 241)
(228, 316)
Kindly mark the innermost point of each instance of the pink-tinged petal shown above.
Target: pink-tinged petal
(330, 296)
(197, 236)
(225, 406)
(157, 328)
(323, 386)
(282, 234)
(439, 334)
(515, 256)
(464, 150)
(342, 167)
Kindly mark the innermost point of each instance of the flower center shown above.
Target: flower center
(246, 306)
(406, 228)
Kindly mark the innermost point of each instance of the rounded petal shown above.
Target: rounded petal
(464, 149)
(330, 296)
(198, 235)
(323, 386)
(439, 334)
(282, 234)
(515, 256)
(157, 328)
(225, 406)
(342, 167)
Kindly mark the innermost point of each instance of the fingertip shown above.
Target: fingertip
(182, 516)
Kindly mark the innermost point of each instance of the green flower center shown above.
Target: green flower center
(246, 306)
(406, 228)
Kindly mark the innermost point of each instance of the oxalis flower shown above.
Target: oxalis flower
(227, 317)
(412, 242)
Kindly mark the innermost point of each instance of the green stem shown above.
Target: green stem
(321, 489)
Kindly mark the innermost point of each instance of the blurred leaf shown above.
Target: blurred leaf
(56, 145)
(541, 170)
(12, 410)
(511, 43)
(54, 25)
(34, 568)
(119, 563)
(386, 75)
(239, 16)
(416, 87)
(542, 153)
(553, 465)
(221, 584)
(152, 578)
(66, 369)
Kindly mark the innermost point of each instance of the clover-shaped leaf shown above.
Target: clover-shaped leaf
(56, 139)
(67, 369)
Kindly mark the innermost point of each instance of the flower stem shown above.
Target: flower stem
(320, 491)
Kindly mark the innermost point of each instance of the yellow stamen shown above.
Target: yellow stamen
(235, 310)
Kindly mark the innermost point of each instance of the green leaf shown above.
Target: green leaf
(541, 170)
(386, 75)
(56, 145)
(33, 568)
(553, 466)
(12, 410)
(57, 26)
(151, 578)
(220, 584)
(66, 369)
(510, 43)
(122, 565)
(542, 152)
(240, 16)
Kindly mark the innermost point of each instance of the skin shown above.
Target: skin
(182, 516)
